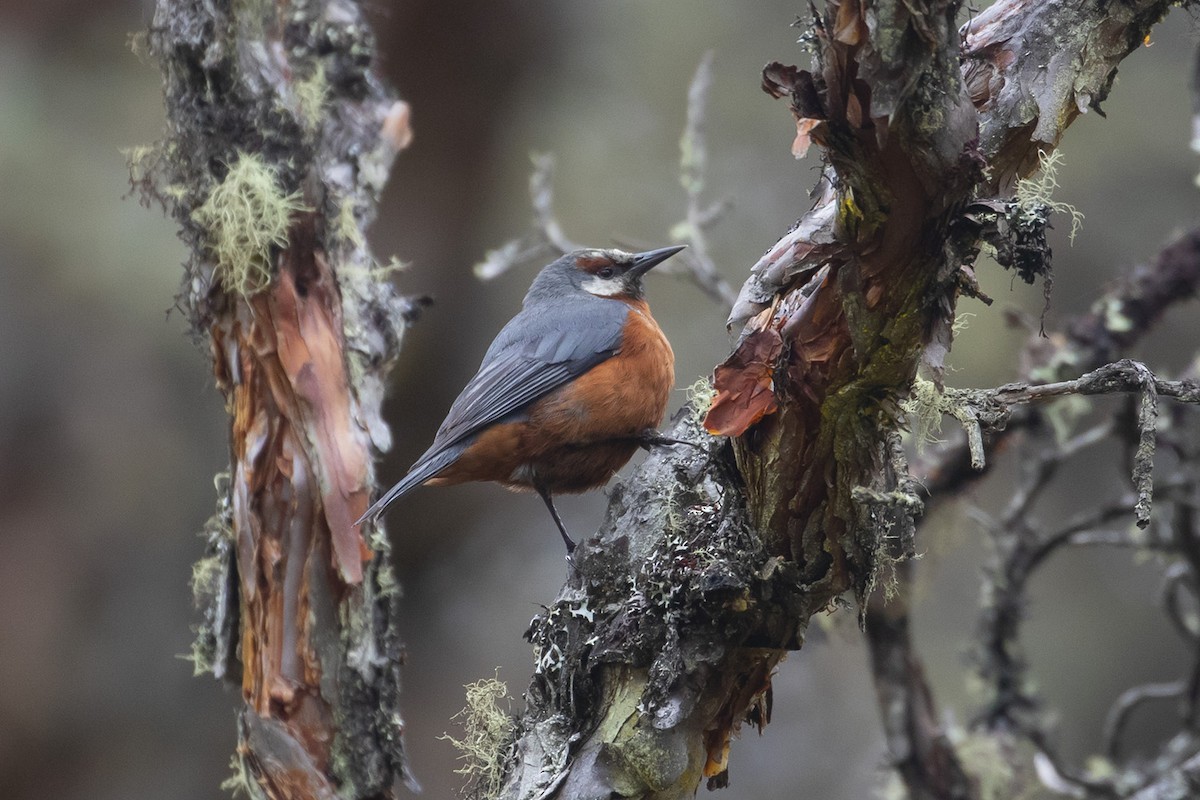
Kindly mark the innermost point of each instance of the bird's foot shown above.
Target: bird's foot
(652, 438)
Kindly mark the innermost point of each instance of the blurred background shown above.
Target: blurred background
(111, 429)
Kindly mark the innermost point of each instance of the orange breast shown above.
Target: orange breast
(577, 436)
(620, 397)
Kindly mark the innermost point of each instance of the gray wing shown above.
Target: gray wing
(540, 349)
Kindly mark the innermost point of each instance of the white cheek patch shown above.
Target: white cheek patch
(605, 288)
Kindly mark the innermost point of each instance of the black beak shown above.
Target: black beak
(643, 262)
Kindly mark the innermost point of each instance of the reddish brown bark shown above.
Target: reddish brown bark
(299, 353)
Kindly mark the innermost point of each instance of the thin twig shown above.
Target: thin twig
(546, 238)
(1130, 699)
(541, 192)
(695, 263)
(693, 168)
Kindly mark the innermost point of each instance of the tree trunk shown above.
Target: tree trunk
(712, 559)
(279, 140)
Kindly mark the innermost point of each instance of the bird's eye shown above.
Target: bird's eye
(607, 273)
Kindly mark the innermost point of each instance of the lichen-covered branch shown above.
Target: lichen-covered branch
(713, 558)
(1119, 317)
(279, 139)
(1021, 544)
(1122, 314)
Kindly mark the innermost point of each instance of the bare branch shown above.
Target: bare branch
(547, 238)
(695, 263)
(1127, 703)
(541, 192)
(693, 169)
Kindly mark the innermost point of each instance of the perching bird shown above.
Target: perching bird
(569, 389)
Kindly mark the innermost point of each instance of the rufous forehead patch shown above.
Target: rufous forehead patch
(593, 261)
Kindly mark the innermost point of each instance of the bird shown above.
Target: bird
(566, 393)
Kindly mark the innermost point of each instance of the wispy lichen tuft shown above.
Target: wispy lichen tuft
(241, 782)
(246, 216)
(925, 406)
(346, 226)
(488, 732)
(1035, 194)
(700, 396)
(311, 95)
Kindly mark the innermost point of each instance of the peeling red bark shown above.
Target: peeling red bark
(299, 353)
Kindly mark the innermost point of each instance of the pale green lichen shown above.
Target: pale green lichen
(310, 95)
(962, 322)
(252, 18)
(1114, 315)
(385, 577)
(138, 43)
(246, 216)
(377, 272)
(682, 231)
(1099, 768)
(1000, 773)
(487, 734)
(925, 406)
(892, 787)
(1036, 192)
(887, 575)
(345, 225)
(208, 578)
(241, 782)
(1064, 415)
(141, 160)
(1063, 365)
(382, 271)
(700, 396)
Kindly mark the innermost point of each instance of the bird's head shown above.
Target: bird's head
(604, 273)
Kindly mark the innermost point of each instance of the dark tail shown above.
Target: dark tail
(423, 470)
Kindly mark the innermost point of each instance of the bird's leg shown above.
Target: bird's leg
(652, 438)
(562, 529)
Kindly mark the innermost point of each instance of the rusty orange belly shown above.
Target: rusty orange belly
(579, 435)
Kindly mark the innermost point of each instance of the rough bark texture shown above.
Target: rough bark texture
(712, 559)
(279, 139)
